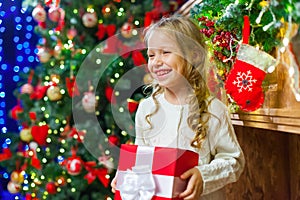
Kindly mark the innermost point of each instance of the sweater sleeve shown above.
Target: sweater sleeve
(228, 159)
(139, 124)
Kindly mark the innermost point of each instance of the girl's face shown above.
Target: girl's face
(165, 62)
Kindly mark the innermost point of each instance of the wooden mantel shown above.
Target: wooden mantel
(284, 120)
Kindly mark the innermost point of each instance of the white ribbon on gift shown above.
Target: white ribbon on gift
(140, 184)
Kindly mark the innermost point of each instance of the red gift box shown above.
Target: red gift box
(152, 172)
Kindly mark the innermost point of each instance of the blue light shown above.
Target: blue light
(19, 46)
(2, 104)
(1, 121)
(26, 69)
(13, 8)
(20, 58)
(2, 29)
(27, 51)
(2, 13)
(17, 19)
(26, 44)
(29, 28)
(1, 113)
(4, 66)
(28, 35)
(26, 148)
(36, 51)
(8, 141)
(5, 175)
(4, 130)
(16, 78)
(1, 48)
(31, 59)
(2, 94)
(19, 27)
(1, 41)
(28, 18)
(0, 85)
(16, 69)
(4, 145)
(16, 39)
(0, 77)
(41, 40)
(0, 21)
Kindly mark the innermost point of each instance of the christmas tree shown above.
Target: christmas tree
(77, 106)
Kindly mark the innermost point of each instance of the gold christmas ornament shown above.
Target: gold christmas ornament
(16, 177)
(25, 135)
(53, 93)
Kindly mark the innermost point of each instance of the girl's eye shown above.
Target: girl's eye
(150, 55)
(166, 52)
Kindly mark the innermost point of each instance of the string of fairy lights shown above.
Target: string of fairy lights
(17, 55)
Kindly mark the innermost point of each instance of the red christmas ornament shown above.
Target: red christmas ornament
(32, 116)
(15, 111)
(51, 188)
(74, 165)
(244, 81)
(113, 140)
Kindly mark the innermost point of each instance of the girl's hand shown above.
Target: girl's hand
(195, 184)
(113, 184)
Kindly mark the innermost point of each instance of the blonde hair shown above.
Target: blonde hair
(191, 43)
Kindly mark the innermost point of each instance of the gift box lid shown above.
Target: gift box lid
(164, 160)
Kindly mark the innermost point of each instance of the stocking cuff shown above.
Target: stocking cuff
(255, 57)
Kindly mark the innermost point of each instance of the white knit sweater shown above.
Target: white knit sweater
(221, 158)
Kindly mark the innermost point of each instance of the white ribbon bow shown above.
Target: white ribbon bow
(138, 184)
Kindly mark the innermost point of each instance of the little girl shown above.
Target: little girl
(180, 112)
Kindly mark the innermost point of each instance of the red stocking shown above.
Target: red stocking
(244, 81)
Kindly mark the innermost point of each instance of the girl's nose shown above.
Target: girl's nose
(157, 61)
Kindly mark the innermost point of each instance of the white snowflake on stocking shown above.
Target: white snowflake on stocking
(244, 81)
